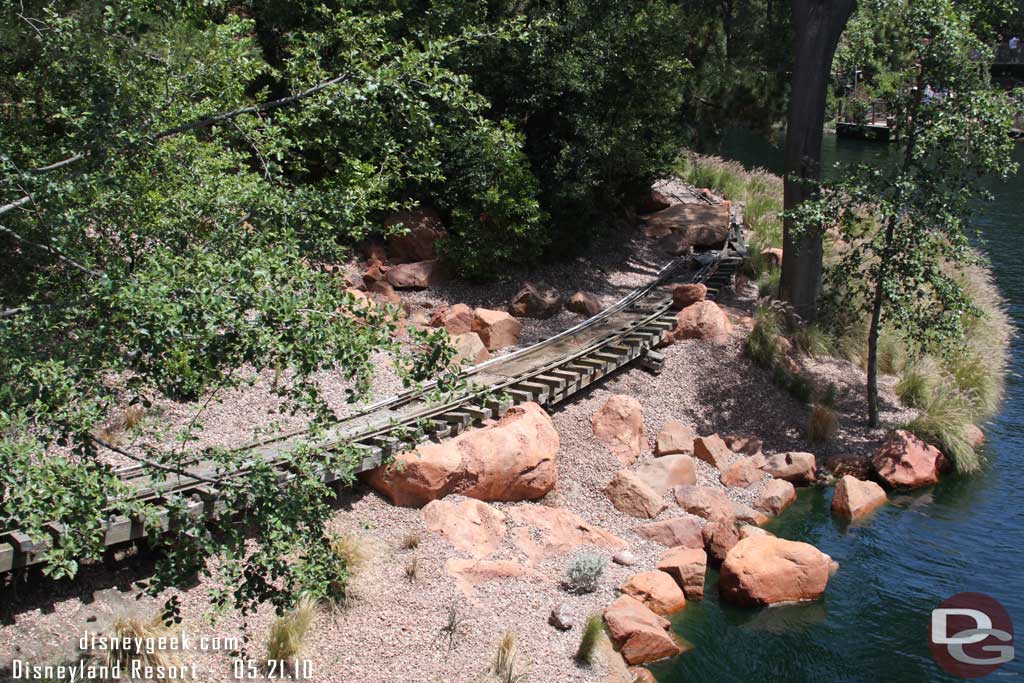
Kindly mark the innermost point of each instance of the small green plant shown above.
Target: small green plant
(288, 632)
(822, 424)
(584, 573)
(592, 631)
(505, 668)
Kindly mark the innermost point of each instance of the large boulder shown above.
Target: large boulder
(742, 473)
(418, 275)
(664, 474)
(712, 450)
(854, 498)
(704, 501)
(702, 225)
(584, 303)
(673, 532)
(653, 201)
(674, 244)
(421, 228)
(457, 319)
(513, 459)
(656, 590)
(702, 320)
(688, 567)
(629, 494)
(795, 467)
(674, 437)
(776, 496)
(536, 300)
(720, 536)
(470, 348)
(497, 329)
(641, 635)
(548, 531)
(905, 461)
(472, 526)
(619, 425)
(688, 294)
(764, 570)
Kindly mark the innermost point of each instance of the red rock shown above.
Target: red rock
(619, 425)
(642, 635)
(674, 437)
(704, 501)
(585, 304)
(688, 567)
(457, 319)
(748, 530)
(656, 590)
(745, 444)
(422, 227)
(747, 515)
(419, 275)
(513, 459)
(470, 348)
(497, 329)
(777, 495)
(653, 201)
(703, 320)
(385, 291)
(712, 450)
(687, 295)
(720, 536)
(854, 498)
(702, 225)
(663, 474)
(974, 436)
(633, 497)
(795, 467)
(641, 675)
(764, 570)
(905, 461)
(375, 272)
(471, 573)
(470, 525)
(743, 473)
(536, 300)
(557, 531)
(673, 532)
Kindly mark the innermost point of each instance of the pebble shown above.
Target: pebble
(560, 617)
(625, 558)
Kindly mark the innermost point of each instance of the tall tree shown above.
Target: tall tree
(818, 25)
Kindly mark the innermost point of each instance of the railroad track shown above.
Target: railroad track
(546, 373)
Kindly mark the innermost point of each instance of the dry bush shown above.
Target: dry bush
(822, 424)
(411, 540)
(288, 632)
(167, 660)
(505, 667)
(352, 549)
(412, 570)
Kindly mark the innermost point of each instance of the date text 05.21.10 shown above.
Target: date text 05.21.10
(276, 669)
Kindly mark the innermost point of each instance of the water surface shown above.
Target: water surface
(966, 534)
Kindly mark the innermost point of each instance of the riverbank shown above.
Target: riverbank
(412, 584)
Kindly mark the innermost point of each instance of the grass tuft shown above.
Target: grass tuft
(592, 631)
(763, 343)
(822, 424)
(288, 632)
(137, 631)
(352, 549)
(813, 341)
(412, 570)
(411, 541)
(505, 668)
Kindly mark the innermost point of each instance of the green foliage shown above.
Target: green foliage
(592, 632)
(763, 344)
(943, 421)
(584, 572)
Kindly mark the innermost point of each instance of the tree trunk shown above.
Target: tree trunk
(876, 321)
(818, 25)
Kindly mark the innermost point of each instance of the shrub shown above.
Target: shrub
(813, 340)
(800, 387)
(822, 424)
(504, 668)
(763, 343)
(584, 573)
(136, 631)
(592, 631)
(943, 421)
(288, 632)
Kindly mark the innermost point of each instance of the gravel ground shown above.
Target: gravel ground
(390, 630)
